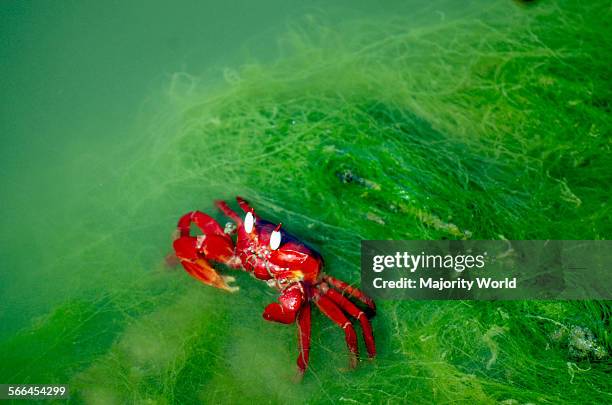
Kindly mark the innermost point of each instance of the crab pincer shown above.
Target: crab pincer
(194, 252)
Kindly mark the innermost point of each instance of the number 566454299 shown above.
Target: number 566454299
(13, 391)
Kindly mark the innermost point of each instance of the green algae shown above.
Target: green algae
(486, 124)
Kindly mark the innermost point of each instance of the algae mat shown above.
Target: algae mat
(489, 121)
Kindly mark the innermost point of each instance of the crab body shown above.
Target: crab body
(281, 260)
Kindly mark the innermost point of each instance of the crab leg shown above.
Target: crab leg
(303, 337)
(244, 204)
(350, 291)
(355, 312)
(230, 213)
(331, 310)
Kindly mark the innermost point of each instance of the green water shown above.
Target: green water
(490, 120)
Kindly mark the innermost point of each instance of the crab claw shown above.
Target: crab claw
(194, 252)
(204, 272)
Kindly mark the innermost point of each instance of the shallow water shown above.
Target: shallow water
(82, 87)
(78, 79)
(116, 119)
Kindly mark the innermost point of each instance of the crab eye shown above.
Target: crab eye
(249, 221)
(275, 240)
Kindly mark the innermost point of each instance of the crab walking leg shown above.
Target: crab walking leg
(303, 337)
(355, 312)
(289, 303)
(230, 213)
(351, 291)
(244, 204)
(334, 313)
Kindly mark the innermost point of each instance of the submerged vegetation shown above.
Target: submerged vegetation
(489, 123)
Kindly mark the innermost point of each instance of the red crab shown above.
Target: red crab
(284, 262)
